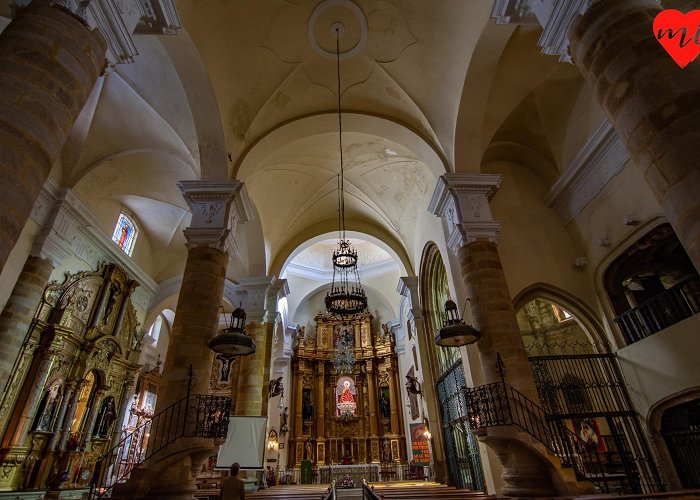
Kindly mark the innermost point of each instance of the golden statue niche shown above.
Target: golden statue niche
(346, 412)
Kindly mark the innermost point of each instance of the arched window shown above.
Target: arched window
(154, 332)
(125, 233)
(438, 292)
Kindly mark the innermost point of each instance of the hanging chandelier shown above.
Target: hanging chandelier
(346, 297)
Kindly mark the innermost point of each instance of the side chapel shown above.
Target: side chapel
(72, 381)
(346, 412)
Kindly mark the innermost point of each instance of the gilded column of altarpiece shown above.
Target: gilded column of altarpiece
(71, 382)
(352, 417)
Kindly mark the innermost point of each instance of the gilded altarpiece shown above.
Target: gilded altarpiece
(72, 381)
(352, 417)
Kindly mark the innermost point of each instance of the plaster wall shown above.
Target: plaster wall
(661, 365)
(534, 245)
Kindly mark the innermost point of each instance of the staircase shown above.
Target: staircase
(499, 404)
(196, 415)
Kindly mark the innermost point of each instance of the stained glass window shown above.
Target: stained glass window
(125, 233)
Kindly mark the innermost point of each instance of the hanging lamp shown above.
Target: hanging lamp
(233, 339)
(346, 297)
(455, 332)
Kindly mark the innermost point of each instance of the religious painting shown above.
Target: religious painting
(346, 333)
(420, 445)
(346, 397)
(588, 434)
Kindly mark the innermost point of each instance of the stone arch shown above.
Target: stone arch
(653, 421)
(581, 312)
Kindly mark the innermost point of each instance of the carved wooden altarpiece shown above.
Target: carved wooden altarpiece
(344, 418)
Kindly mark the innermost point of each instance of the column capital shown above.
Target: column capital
(463, 201)
(408, 287)
(554, 16)
(216, 206)
(252, 295)
(118, 20)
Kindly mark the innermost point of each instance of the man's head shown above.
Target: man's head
(235, 467)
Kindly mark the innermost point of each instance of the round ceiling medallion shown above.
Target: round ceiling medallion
(344, 15)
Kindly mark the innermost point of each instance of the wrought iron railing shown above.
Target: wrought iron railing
(194, 416)
(661, 311)
(499, 404)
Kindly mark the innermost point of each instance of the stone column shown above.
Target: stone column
(408, 287)
(463, 201)
(653, 104)
(249, 399)
(216, 206)
(252, 393)
(50, 61)
(197, 313)
(16, 318)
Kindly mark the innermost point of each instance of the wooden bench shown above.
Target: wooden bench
(305, 492)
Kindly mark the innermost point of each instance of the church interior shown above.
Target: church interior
(433, 243)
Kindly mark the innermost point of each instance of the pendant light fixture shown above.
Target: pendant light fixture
(346, 297)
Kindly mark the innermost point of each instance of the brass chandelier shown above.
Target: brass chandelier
(346, 297)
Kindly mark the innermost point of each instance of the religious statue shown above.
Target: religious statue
(285, 418)
(308, 450)
(347, 405)
(307, 406)
(44, 423)
(384, 406)
(412, 385)
(276, 387)
(115, 290)
(105, 418)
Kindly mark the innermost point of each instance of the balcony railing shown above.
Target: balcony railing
(665, 309)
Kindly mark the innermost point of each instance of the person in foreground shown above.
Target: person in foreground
(233, 488)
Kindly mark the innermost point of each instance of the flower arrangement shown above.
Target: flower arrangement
(348, 482)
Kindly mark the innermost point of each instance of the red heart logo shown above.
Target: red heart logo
(679, 34)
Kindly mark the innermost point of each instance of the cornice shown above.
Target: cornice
(600, 159)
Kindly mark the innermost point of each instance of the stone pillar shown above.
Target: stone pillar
(249, 400)
(408, 287)
(653, 104)
(50, 61)
(16, 318)
(197, 313)
(251, 396)
(463, 201)
(216, 206)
